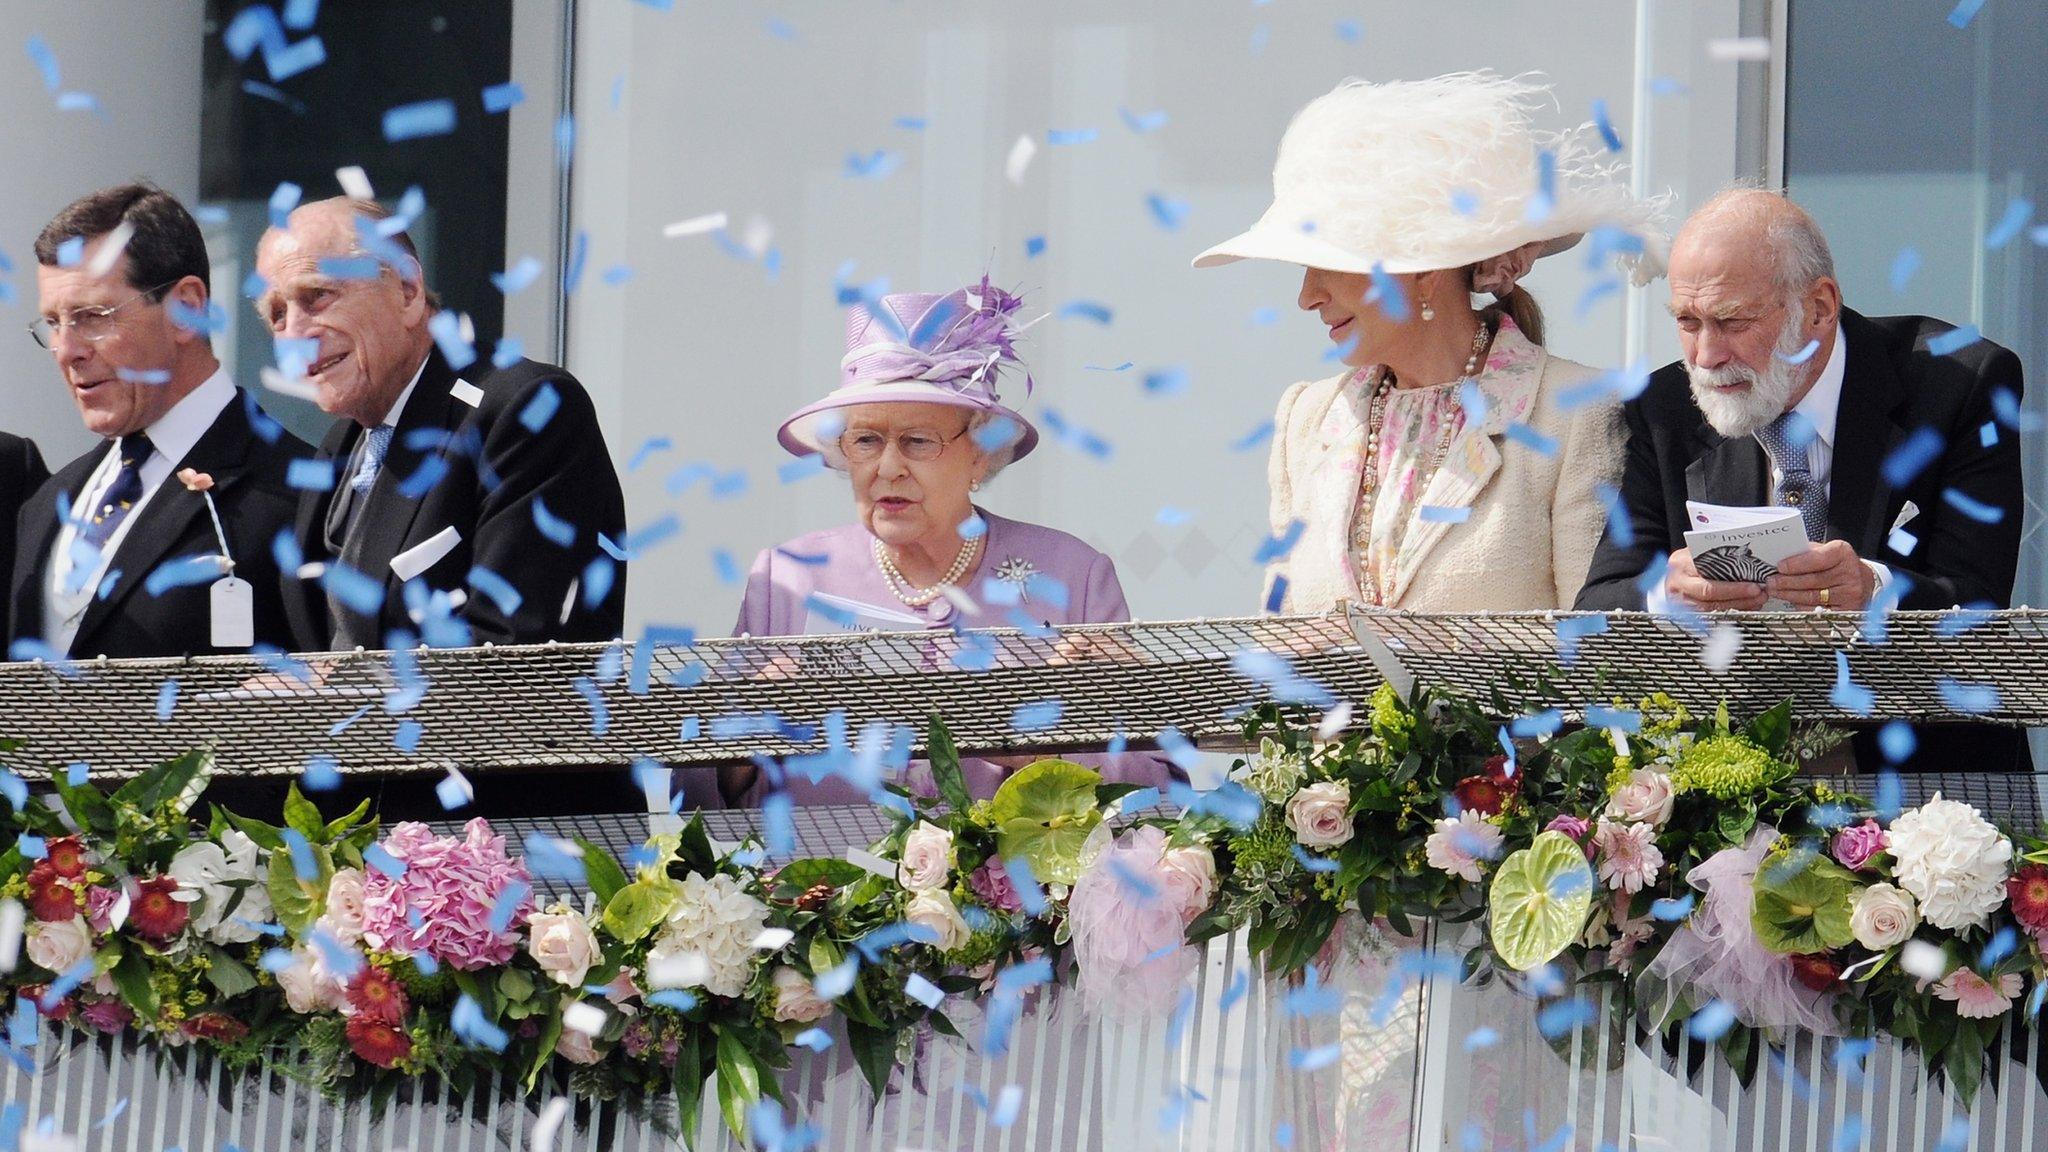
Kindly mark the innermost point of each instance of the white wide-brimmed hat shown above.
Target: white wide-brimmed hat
(1419, 175)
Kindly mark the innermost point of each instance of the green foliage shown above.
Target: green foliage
(1044, 813)
(945, 762)
(600, 871)
(1802, 902)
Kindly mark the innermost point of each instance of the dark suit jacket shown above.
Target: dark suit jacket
(478, 470)
(1891, 387)
(255, 504)
(22, 471)
(484, 474)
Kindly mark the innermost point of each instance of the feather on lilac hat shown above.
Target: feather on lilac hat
(1417, 175)
(922, 348)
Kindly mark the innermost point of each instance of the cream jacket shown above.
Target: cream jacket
(1534, 520)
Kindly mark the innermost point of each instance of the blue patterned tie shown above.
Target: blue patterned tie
(1796, 488)
(121, 495)
(376, 442)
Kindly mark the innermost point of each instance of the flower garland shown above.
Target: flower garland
(1668, 852)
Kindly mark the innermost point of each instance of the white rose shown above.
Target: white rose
(1953, 861)
(343, 918)
(1645, 799)
(1190, 875)
(58, 946)
(1320, 814)
(562, 943)
(796, 999)
(708, 939)
(934, 911)
(927, 858)
(1883, 917)
(229, 886)
(308, 986)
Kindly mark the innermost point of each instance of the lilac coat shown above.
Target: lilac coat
(810, 584)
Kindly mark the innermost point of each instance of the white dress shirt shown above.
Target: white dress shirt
(66, 596)
(390, 420)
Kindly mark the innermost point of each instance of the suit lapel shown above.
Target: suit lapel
(1865, 434)
(32, 557)
(221, 453)
(1513, 375)
(1732, 472)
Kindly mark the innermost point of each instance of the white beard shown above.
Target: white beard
(1738, 414)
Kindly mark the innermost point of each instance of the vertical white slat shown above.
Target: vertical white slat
(159, 1094)
(1758, 1098)
(1604, 1010)
(1921, 1104)
(213, 1073)
(2001, 1104)
(1437, 995)
(1788, 1105)
(2033, 1091)
(1867, 1085)
(1816, 1080)
(1896, 1060)
(1093, 1038)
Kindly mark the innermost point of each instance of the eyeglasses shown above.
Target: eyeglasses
(864, 446)
(91, 325)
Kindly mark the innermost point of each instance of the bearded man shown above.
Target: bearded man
(1895, 437)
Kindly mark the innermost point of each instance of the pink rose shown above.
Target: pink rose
(1574, 827)
(796, 999)
(1855, 845)
(106, 1015)
(1645, 799)
(99, 907)
(563, 945)
(308, 986)
(58, 946)
(344, 916)
(1190, 876)
(927, 858)
(577, 1047)
(1320, 814)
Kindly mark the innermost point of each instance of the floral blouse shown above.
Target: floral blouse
(1415, 434)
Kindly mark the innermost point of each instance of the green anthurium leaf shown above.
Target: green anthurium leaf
(227, 974)
(633, 911)
(299, 902)
(1044, 813)
(600, 871)
(1802, 902)
(1539, 900)
(739, 1083)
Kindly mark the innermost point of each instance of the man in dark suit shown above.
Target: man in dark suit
(117, 554)
(467, 506)
(22, 471)
(1886, 437)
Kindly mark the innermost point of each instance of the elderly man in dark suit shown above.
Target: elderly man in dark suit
(467, 502)
(1885, 432)
(467, 505)
(118, 553)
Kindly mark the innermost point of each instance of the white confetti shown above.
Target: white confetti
(771, 939)
(550, 1122)
(1718, 653)
(1334, 721)
(871, 862)
(695, 225)
(1924, 960)
(1020, 158)
(682, 970)
(12, 917)
(110, 249)
(584, 1017)
(756, 237)
(355, 183)
(1739, 48)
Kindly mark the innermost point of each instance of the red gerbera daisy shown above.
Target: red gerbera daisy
(61, 1010)
(1481, 795)
(380, 1044)
(50, 896)
(2028, 891)
(67, 855)
(1816, 970)
(155, 912)
(375, 995)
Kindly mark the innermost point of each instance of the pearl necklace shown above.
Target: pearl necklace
(917, 597)
(1384, 386)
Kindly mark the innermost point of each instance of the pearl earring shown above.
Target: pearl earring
(1428, 311)
(974, 486)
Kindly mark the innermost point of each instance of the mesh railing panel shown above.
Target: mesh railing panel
(713, 701)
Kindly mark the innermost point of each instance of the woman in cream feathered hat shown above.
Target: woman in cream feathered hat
(1402, 201)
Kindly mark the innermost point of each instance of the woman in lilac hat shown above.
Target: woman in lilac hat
(918, 426)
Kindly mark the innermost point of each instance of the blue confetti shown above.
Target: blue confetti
(287, 62)
(1987, 434)
(282, 201)
(1848, 695)
(1063, 136)
(1481, 1038)
(1036, 716)
(300, 14)
(1170, 381)
(1533, 440)
(1388, 294)
(523, 272)
(507, 905)
(1976, 510)
(875, 165)
(1897, 741)
(1315, 863)
(541, 408)
(425, 118)
(320, 774)
(1168, 213)
(600, 716)
(1801, 356)
(1619, 527)
(1085, 310)
(304, 866)
(1259, 434)
(503, 97)
(360, 593)
(46, 63)
(801, 468)
(1627, 720)
(167, 698)
(1313, 1059)
(1443, 514)
(1953, 340)
(1034, 246)
(1912, 457)
(1973, 699)
(309, 476)
(407, 736)
(1278, 547)
(2017, 213)
(579, 254)
(467, 1021)
(1606, 126)
(1143, 124)
(1671, 911)
(183, 572)
(1904, 265)
(1964, 11)
(1711, 1022)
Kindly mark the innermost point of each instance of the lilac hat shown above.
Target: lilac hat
(924, 348)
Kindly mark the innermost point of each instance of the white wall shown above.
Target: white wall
(141, 60)
(720, 113)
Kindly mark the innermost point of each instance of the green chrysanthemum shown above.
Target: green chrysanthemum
(1390, 716)
(1727, 768)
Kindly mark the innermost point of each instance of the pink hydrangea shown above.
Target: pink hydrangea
(992, 883)
(448, 889)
